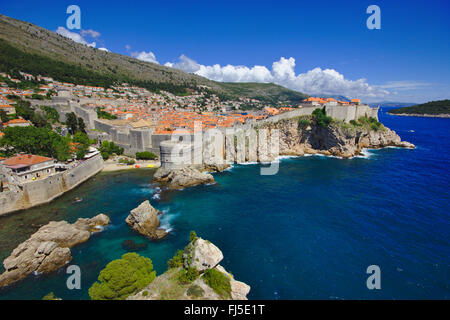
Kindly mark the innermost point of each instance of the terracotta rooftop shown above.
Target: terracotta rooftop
(25, 160)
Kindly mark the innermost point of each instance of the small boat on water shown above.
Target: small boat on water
(77, 199)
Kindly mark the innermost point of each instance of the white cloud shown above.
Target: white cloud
(145, 56)
(315, 81)
(74, 36)
(405, 85)
(128, 47)
(103, 49)
(94, 34)
(185, 64)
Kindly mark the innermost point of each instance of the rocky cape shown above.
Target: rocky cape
(48, 249)
(337, 139)
(144, 220)
(202, 255)
(184, 177)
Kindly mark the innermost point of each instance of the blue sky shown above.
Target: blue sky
(328, 42)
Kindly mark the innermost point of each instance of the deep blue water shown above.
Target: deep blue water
(308, 232)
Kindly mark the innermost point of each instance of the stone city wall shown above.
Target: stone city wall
(42, 191)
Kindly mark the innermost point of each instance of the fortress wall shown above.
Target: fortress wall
(9, 201)
(88, 115)
(138, 140)
(45, 190)
(304, 111)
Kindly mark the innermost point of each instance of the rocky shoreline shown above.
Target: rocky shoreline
(48, 249)
(338, 139)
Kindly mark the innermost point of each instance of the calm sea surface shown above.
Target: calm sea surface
(309, 232)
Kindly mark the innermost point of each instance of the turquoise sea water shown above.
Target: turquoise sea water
(308, 232)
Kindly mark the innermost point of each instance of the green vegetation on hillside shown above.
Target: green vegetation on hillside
(219, 282)
(266, 92)
(51, 114)
(38, 141)
(13, 60)
(123, 277)
(319, 115)
(30, 48)
(44, 142)
(368, 123)
(432, 108)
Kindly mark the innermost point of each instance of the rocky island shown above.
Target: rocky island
(434, 109)
(144, 220)
(48, 249)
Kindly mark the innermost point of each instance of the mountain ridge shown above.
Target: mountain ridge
(30, 39)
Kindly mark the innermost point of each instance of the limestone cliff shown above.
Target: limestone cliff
(304, 136)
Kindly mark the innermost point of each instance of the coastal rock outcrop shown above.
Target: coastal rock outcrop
(337, 139)
(182, 177)
(239, 289)
(144, 219)
(202, 255)
(48, 249)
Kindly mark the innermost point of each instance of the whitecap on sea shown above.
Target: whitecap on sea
(166, 218)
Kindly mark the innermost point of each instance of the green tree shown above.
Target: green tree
(72, 123)
(108, 148)
(51, 114)
(83, 143)
(146, 155)
(176, 261)
(4, 116)
(321, 118)
(193, 236)
(81, 125)
(123, 277)
(33, 140)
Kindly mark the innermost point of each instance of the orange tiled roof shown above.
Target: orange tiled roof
(15, 121)
(25, 159)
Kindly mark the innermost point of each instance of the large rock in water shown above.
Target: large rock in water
(202, 255)
(183, 177)
(48, 249)
(144, 219)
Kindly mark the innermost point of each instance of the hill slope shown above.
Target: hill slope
(31, 43)
(441, 107)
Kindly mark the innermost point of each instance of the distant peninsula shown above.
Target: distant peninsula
(438, 109)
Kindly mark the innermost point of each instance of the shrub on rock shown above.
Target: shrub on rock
(123, 277)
